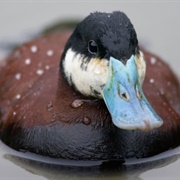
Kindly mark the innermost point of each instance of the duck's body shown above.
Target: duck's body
(41, 113)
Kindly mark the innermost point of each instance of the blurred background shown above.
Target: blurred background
(157, 24)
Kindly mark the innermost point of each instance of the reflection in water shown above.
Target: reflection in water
(113, 170)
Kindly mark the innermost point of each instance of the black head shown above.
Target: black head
(103, 35)
(86, 57)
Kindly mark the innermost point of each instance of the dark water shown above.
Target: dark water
(158, 28)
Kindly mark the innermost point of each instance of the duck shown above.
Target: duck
(89, 94)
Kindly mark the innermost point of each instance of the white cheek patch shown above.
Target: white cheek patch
(88, 76)
(141, 67)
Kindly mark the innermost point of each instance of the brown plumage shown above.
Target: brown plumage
(38, 110)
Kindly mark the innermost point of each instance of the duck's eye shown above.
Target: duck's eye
(92, 47)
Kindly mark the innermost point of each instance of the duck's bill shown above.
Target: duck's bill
(125, 99)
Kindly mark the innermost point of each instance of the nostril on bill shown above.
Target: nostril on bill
(124, 96)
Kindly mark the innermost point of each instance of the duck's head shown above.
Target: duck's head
(102, 59)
